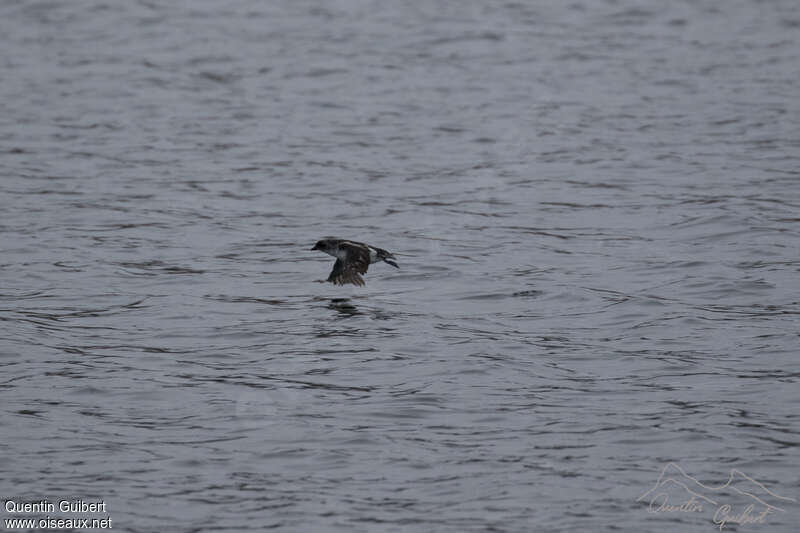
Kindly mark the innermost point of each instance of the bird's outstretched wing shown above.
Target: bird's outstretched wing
(357, 257)
(346, 272)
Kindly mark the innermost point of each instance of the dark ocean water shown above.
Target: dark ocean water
(595, 207)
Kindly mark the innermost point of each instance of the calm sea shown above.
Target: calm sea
(596, 210)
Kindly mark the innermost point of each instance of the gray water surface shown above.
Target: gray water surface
(595, 207)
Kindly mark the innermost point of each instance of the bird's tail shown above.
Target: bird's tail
(387, 257)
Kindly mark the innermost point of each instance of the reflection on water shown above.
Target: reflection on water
(344, 306)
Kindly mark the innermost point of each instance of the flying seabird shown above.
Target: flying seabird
(352, 259)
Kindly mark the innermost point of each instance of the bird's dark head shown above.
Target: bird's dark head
(321, 245)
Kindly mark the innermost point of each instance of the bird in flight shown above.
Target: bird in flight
(352, 259)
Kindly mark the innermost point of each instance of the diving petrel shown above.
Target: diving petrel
(352, 259)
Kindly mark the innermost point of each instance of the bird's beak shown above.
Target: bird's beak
(314, 248)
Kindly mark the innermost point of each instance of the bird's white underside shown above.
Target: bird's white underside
(339, 253)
